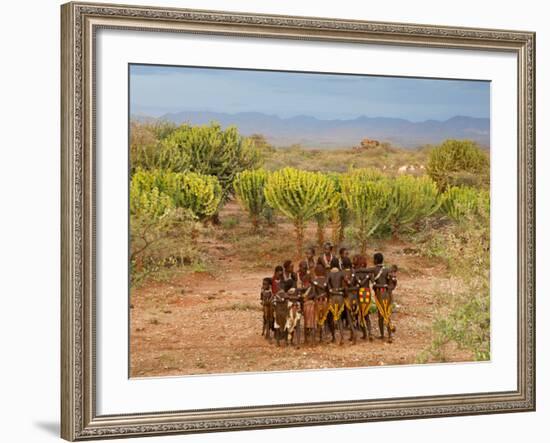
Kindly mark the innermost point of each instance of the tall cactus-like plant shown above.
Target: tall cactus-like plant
(200, 193)
(339, 215)
(197, 192)
(321, 220)
(300, 195)
(209, 150)
(368, 196)
(462, 203)
(249, 188)
(150, 203)
(413, 199)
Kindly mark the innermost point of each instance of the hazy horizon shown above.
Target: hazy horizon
(159, 90)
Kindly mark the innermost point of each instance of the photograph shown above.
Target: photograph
(283, 221)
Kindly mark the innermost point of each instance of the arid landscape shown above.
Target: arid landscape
(211, 322)
(235, 174)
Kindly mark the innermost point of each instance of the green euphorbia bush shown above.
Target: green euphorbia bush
(300, 196)
(367, 194)
(463, 203)
(458, 163)
(151, 191)
(209, 150)
(413, 199)
(249, 188)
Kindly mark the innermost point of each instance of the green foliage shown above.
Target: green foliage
(458, 162)
(160, 244)
(249, 188)
(321, 220)
(199, 193)
(339, 215)
(152, 192)
(146, 197)
(465, 315)
(367, 194)
(145, 140)
(208, 150)
(468, 325)
(463, 203)
(413, 199)
(300, 195)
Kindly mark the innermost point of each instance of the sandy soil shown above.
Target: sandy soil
(200, 323)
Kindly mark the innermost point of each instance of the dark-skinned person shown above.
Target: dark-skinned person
(384, 280)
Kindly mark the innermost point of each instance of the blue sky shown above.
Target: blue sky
(156, 90)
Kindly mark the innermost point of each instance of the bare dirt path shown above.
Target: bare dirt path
(202, 323)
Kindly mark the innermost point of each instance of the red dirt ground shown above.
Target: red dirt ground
(199, 323)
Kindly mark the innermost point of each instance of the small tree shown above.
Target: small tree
(145, 142)
(413, 198)
(458, 162)
(321, 220)
(462, 203)
(149, 202)
(339, 214)
(209, 150)
(249, 188)
(200, 193)
(197, 192)
(368, 196)
(300, 195)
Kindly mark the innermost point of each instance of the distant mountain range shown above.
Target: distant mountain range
(312, 132)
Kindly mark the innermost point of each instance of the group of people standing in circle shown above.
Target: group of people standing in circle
(328, 293)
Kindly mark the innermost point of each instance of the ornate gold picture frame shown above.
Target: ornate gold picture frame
(80, 22)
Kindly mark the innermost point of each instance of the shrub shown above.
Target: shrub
(300, 195)
(465, 318)
(367, 194)
(321, 220)
(413, 199)
(145, 139)
(201, 194)
(339, 214)
(458, 162)
(160, 243)
(463, 203)
(249, 188)
(209, 150)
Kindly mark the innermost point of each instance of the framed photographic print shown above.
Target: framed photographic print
(283, 221)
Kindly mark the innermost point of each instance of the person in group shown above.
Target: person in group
(327, 259)
(308, 308)
(344, 262)
(280, 311)
(320, 294)
(266, 299)
(294, 316)
(336, 300)
(362, 281)
(383, 283)
(306, 267)
(288, 273)
(277, 280)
